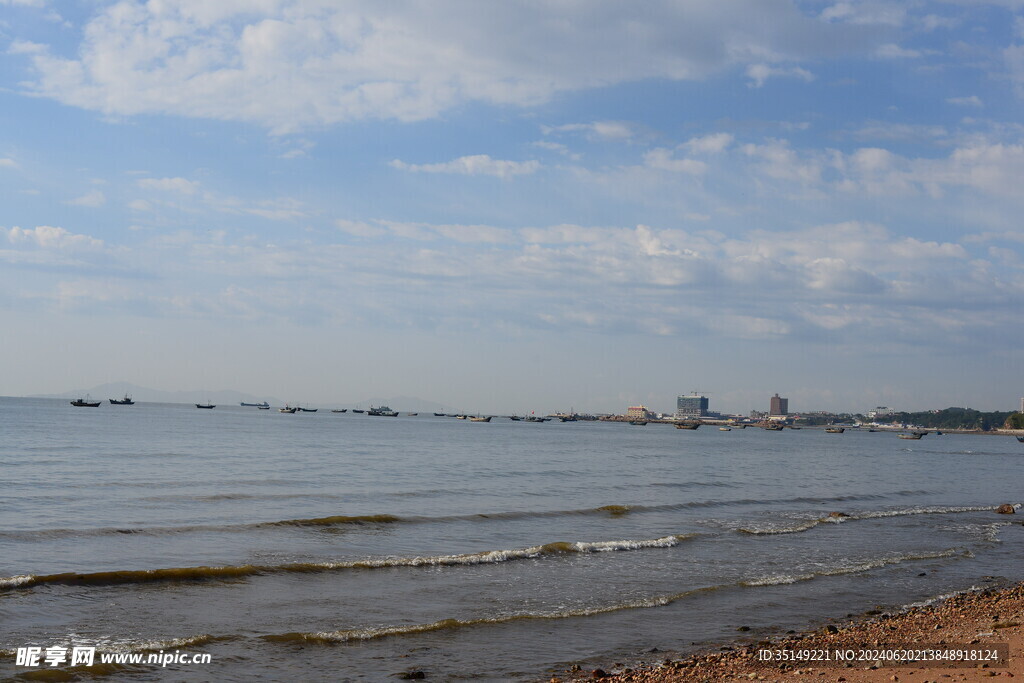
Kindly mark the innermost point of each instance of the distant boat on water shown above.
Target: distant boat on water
(382, 411)
(254, 405)
(307, 410)
(835, 430)
(206, 406)
(343, 410)
(688, 425)
(439, 415)
(914, 436)
(85, 403)
(358, 411)
(287, 409)
(478, 418)
(126, 401)
(638, 423)
(1020, 438)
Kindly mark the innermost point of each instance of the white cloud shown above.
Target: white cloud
(893, 51)
(760, 73)
(478, 164)
(709, 144)
(662, 160)
(94, 199)
(294, 64)
(605, 130)
(50, 237)
(972, 101)
(869, 12)
(8, 163)
(180, 185)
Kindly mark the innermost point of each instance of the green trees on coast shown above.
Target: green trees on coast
(949, 418)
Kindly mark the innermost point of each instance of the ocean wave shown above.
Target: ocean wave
(226, 573)
(857, 568)
(769, 529)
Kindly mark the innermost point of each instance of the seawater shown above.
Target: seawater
(323, 546)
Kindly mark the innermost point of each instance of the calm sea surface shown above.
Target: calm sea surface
(321, 546)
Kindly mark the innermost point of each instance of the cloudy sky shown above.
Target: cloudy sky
(517, 205)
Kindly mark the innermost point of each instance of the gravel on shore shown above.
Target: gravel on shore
(980, 620)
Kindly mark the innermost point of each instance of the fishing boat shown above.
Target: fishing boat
(287, 409)
(914, 436)
(206, 406)
(534, 418)
(262, 407)
(358, 411)
(254, 405)
(412, 414)
(308, 410)
(1020, 438)
(478, 418)
(439, 415)
(688, 425)
(638, 423)
(772, 427)
(343, 410)
(835, 430)
(85, 403)
(515, 418)
(725, 429)
(382, 411)
(126, 401)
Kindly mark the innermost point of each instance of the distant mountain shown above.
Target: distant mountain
(118, 389)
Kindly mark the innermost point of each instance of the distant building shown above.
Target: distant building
(692, 406)
(1022, 404)
(778, 406)
(880, 411)
(639, 413)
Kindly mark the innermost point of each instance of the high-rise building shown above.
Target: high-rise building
(692, 406)
(778, 406)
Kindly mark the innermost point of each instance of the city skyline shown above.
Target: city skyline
(592, 205)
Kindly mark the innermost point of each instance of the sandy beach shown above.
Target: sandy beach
(981, 622)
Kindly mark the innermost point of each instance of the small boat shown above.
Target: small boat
(382, 411)
(515, 418)
(638, 423)
(461, 417)
(835, 430)
(687, 425)
(358, 411)
(439, 415)
(126, 401)
(254, 405)
(478, 418)
(1020, 438)
(287, 409)
(412, 414)
(772, 427)
(914, 436)
(262, 407)
(343, 410)
(725, 429)
(85, 403)
(206, 406)
(308, 410)
(534, 418)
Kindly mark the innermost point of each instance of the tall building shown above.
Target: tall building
(638, 413)
(778, 406)
(692, 406)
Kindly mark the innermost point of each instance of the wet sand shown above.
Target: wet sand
(980, 620)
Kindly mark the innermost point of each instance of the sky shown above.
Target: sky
(517, 205)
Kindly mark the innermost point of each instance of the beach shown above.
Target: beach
(979, 621)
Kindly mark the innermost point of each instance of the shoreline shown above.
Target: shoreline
(977, 620)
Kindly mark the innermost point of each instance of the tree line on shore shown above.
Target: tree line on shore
(949, 418)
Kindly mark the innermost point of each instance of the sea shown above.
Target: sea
(256, 545)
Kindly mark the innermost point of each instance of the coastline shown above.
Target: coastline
(978, 619)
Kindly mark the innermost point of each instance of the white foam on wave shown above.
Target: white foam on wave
(783, 579)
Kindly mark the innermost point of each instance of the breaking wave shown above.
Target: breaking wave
(783, 579)
(226, 573)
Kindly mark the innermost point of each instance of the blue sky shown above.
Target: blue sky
(516, 206)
